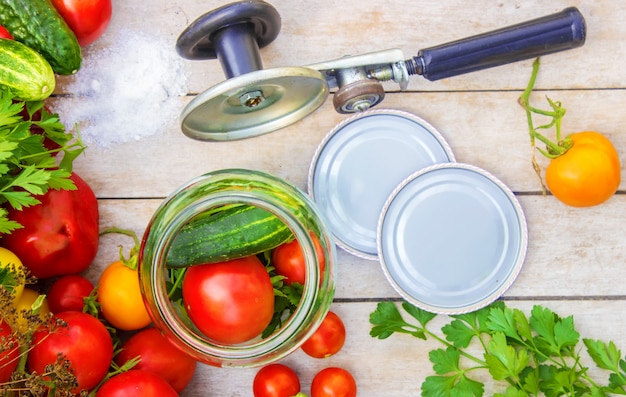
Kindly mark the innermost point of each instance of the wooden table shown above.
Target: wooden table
(575, 261)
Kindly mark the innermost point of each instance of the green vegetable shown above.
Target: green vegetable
(25, 72)
(38, 24)
(536, 355)
(27, 167)
(231, 232)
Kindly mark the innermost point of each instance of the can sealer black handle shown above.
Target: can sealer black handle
(552, 33)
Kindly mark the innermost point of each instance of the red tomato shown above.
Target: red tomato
(85, 343)
(5, 34)
(136, 383)
(88, 19)
(276, 380)
(288, 260)
(328, 339)
(230, 302)
(9, 352)
(333, 382)
(68, 293)
(160, 356)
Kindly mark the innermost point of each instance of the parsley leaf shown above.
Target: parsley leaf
(28, 167)
(388, 320)
(537, 355)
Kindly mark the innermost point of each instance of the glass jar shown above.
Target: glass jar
(208, 192)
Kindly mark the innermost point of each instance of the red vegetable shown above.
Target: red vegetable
(160, 356)
(85, 343)
(230, 302)
(288, 259)
(60, 236)
(9, 352)
(276, 380)
(68, 293)
(5, 34)
(136, 383)
(333, 382)
(88, 19)
(328, 339)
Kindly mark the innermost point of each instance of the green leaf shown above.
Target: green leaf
(543, 321)
(422, 316)
(605, 356)
(454, 386)
(503, 360)
(60, 180)
(6, 149)
(555, 381)
(19, 199)
(7, 225)
(445, 361)
(8, 277)
(503, 320)
(32, 180)
(466, 326)
(459, 333)
(565, 335)
(386, 320)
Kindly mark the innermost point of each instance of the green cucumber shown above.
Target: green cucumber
(25, 72)
(39, 25)
(235, 232)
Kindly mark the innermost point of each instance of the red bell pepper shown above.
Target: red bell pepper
(61, 235)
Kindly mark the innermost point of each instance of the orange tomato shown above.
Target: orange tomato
(119, 295)
(588, 174)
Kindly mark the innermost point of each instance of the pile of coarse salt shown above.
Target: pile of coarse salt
(126, 91)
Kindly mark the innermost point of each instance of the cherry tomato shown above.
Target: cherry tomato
(119, 295)
(588, 173)
(5, 34)
(230, 302)
(25, 307)
(9, 352)
(160, 356)
(17, 279)
(85, 343)
(136, 383)
(276, 380)
(68, 293)
(328, 339)
(88, 19)
(288, 260)
(333, 382)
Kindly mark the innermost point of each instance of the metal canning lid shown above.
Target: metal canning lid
(452, 238)
(360, 162)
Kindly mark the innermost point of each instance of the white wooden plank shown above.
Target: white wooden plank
(486, 129)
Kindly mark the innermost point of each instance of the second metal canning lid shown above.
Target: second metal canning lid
(358, 165)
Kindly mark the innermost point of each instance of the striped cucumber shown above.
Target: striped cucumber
(39, 25)
(25, 72)
(233, 232)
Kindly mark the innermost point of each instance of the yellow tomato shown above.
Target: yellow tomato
(120, 298)
(25, 305)
(588, 173)
(8, 258)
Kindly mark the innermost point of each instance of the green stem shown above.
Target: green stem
(131, 262)
(178, 280)
(524, 100)
(461, 351)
